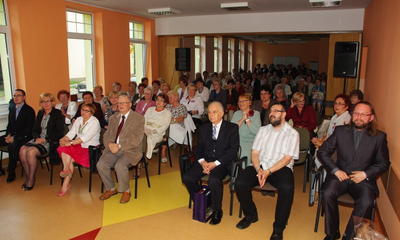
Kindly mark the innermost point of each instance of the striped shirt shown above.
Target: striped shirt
(274, 145)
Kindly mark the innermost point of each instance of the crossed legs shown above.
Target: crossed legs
(28, 157)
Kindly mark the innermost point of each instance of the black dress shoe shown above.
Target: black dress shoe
(216, 217)
(277, 235)
(334, 237)
(10, 178)
(245, 222)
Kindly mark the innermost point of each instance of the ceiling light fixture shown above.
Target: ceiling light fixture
(325, 3)
(164, 11)
(240, 6)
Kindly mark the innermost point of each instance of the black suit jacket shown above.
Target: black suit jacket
(55, 126)
(372, 155)
(22, 126)
(226, 146)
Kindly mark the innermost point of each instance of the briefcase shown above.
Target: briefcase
(202, 205)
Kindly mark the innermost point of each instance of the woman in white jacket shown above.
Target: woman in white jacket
(68, 109)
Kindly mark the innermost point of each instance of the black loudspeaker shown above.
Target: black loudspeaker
(182, 59)
(346, 59)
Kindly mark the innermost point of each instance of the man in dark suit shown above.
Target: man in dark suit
(216, 148)
(123, 148)
(21, 119)
(88, 98)
(362, 155)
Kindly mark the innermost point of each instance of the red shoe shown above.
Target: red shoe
(61, 193)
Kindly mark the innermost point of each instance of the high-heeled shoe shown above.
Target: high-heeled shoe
(29, 188)
(23, 186)
(61, 193)
(64, 174)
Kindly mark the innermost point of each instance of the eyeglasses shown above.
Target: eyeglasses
(339, 103)
(18, 95)
(46, 101)
(275, 111)
(85, 110)
(123, 103)
(160, 100)
(356, 114)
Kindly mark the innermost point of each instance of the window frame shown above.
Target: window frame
(145, 45)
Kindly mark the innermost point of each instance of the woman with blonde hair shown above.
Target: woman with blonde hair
(48, 128)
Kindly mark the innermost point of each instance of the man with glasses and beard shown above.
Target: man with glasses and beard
(272, 156)
(362, 155)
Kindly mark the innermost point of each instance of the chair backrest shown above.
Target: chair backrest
(102, 131)
(144, 144)
(304, 138)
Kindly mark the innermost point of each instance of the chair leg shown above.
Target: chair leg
(51, 173)
(169, 156)
(47, 164)
(147, 173)
(159, 164)
(190, 202)
(305, 175)
(136, 171)
(79, 169)
(41, 164)
(90, 180)
(231, 204)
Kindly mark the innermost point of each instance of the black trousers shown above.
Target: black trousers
(332, 188)
(282, 180)
(13, 151)
(192, 177)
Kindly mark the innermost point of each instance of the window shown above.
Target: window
(7, 78)
(216, 54)
(197, 53)
(231, 53)
(137, 49)
(80, 52)
(249, 56)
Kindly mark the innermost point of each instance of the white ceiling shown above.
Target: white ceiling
(212, 7)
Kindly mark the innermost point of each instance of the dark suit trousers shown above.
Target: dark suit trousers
(363, 198)
(13, 150)
(192, 177)
(282, 180)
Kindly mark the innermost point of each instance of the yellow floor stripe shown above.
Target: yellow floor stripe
(166, 193)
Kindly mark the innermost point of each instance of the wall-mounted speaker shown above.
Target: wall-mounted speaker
(182, 59)
(346, 59)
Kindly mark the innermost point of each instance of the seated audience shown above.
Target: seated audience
(318, 95)
(99, 98)
(157, 121)
(145, 81)
(239, 88)
(112, 109)
(165, 88)
(302, 116)
(182, 91)
(48, 128)
(274, 80)
(247, 86)
(74, 146)
(68, 109)
(274, 150)
(249, 123)
(138, 96)
(302, 88)
(123, 148)
(156, 88)
(310, 86)
(264, 105)
(207, 80)
(21, 119)
(342, 117)
(194, 104)
(202, 91)
(363, 156)
(280, 97)
(143, 105)
(286, 88)
(356, 96)
(215, 151)
(132, 90)
(88, 98)
(178, 115)
(117, 87)
(232, 100)
(217, 94)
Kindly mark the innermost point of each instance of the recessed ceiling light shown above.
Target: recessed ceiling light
(325, 3)
(164, 11)
(240, 6)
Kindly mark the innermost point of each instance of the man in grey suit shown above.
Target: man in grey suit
(362, 155)
(123, 147)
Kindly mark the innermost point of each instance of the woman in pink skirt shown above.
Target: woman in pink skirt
(85, 132)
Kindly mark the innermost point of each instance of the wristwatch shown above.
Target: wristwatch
(72, 143)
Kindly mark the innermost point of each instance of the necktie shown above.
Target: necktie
(214, 133)
(119, 128)
(357, 140)
(17, 112)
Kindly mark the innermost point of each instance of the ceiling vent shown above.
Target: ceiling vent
(240, 6)
(325, 3)
(164, 11)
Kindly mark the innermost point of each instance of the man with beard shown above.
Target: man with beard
(272, 156)
(362, 155)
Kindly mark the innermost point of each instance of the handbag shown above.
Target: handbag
(202, 205)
